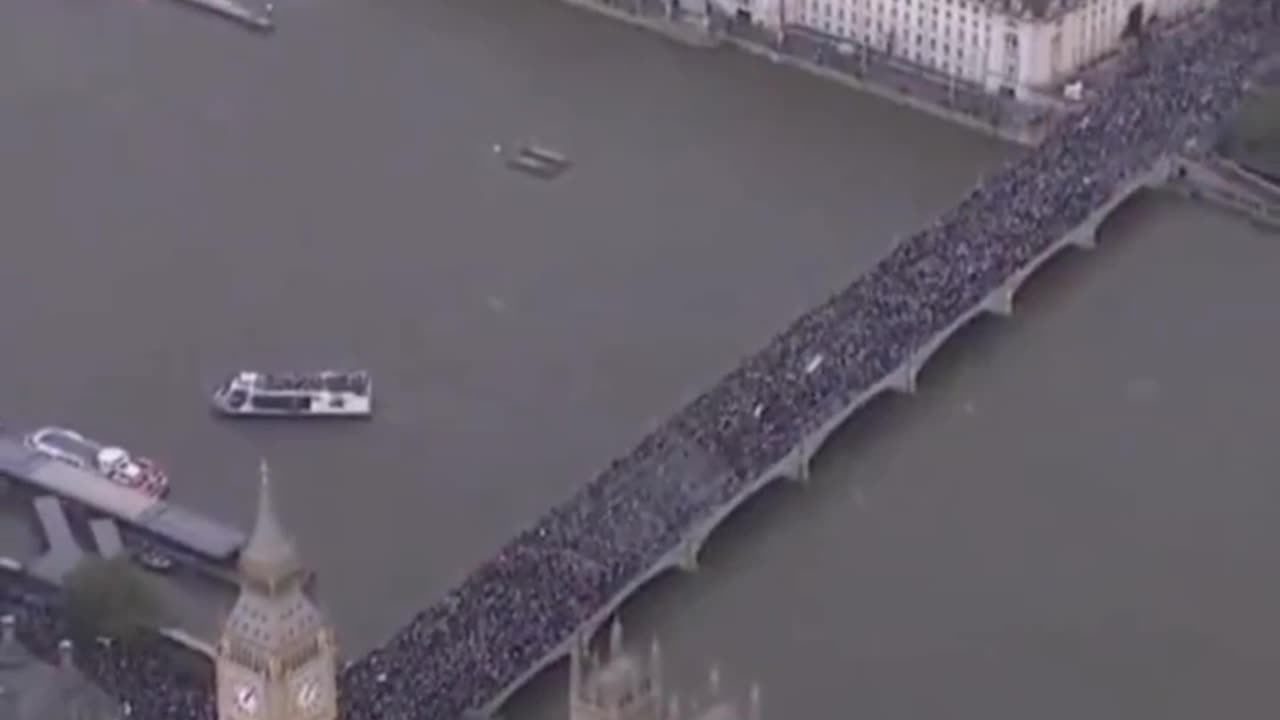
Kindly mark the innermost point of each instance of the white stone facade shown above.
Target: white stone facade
(1018, 47)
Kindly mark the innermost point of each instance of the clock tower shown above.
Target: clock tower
(276, 659)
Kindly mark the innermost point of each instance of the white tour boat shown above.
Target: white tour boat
(111, 462)
(327, 393)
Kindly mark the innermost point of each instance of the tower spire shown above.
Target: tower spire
(269, 557)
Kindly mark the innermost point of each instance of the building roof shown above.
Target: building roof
(31, 689)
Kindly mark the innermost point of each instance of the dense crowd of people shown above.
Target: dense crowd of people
(540, 588)
(144, 676)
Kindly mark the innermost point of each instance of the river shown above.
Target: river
(183, 198)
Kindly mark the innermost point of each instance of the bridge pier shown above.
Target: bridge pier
(1000, 301)
(801, 475)
(688, 555)
(1085, 237)
(903, 379)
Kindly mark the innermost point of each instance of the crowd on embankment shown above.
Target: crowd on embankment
(540, 587)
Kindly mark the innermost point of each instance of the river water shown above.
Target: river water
(183, 199)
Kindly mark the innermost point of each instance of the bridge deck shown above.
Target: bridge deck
(170, 522)
(189, 530)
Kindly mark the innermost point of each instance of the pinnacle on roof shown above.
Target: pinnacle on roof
(269, 557)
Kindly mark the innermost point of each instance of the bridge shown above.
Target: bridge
(795, 465)
(175, 525)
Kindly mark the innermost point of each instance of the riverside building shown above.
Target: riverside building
(1018, 48)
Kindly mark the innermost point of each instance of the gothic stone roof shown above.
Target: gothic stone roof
(273, 625)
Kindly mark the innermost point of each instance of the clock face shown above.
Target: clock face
(247, 699)
(308, 694)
